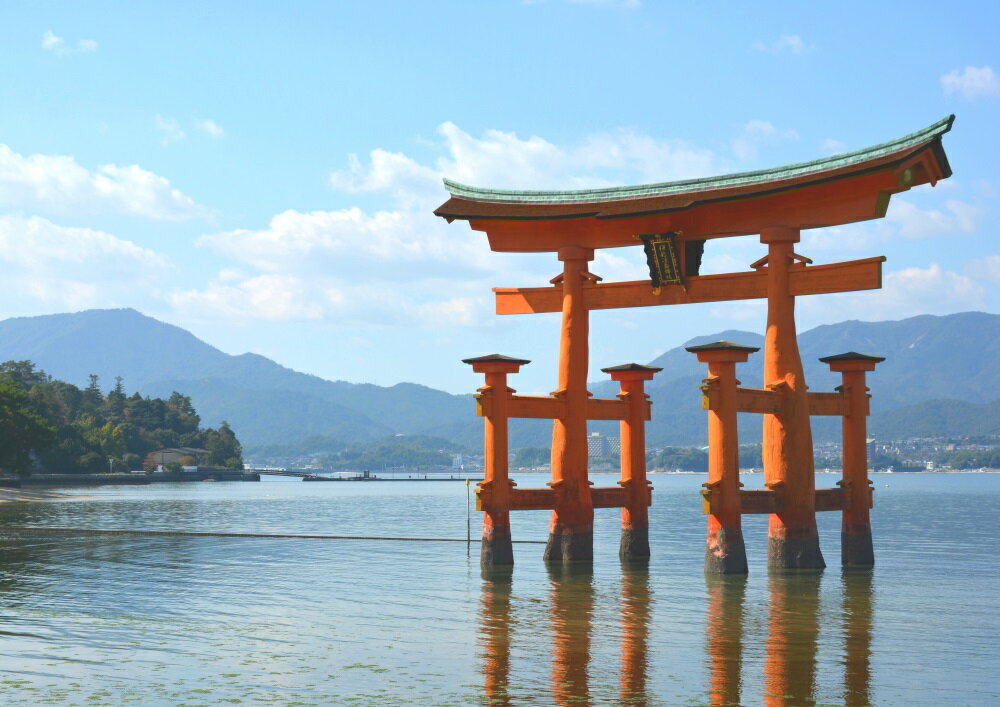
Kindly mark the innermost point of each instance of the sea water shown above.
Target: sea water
(164, 620)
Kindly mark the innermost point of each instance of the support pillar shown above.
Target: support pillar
(725, 552)
(856, 529)
(635, 514)
(493, 492)
(571, 531)
(793, 541)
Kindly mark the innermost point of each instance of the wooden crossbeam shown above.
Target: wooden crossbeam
(848, 276)
(546, 499)
(536, 407)
(770, 401)
(552, 408)
(760, 501)
(759, 401)
(827, 404)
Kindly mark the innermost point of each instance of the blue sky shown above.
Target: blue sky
(263, 173)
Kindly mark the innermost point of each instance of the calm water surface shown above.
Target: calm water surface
(95, 620)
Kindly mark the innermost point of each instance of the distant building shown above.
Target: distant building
(177, 454)
(599, 445)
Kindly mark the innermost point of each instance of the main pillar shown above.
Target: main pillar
(725, 552)
(793, 541)
(493, 491)
(571, 532)
(856, 529)
(635, 514)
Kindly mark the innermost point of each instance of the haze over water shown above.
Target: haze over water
(151, 620)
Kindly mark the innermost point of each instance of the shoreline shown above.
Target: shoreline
(8, 495)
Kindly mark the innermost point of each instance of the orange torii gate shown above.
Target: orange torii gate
(674, 220)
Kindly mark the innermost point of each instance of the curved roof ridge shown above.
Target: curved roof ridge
(800, 169)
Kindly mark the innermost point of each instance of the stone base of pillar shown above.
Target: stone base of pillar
(635, 543)
(496, 551)
(795, 553)
(570, 547)
(725, 553)
(856, 549)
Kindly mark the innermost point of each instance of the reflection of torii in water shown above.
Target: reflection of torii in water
(776, 204)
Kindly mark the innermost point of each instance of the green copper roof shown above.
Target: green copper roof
(802, 169)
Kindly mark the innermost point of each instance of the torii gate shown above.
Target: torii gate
(674, 220)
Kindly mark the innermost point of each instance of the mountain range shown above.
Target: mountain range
(941, 377)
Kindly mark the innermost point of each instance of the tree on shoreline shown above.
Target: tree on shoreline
(54, 427)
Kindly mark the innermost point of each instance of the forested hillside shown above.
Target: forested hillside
(51, 426)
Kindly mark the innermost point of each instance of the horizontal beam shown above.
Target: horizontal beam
(534, 407)
(552, 408)
(760, 501)
(759, 401)
(547, 499)
(849, 276)
(769, 402)
(827, 404)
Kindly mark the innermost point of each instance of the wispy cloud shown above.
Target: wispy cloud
(831, 146)
(987, 268)
(756, 133)
(905, 293)
(60, 183)
(73, 267)
(170, 130)
(971, 83)
(785, 44)
(52, 42)
(211, 128)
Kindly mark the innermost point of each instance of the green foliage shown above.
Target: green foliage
(532, 456)
(55, 427)
(22, 430)
(683, 458)
(223, 447)
(398, 451)
(971, 458)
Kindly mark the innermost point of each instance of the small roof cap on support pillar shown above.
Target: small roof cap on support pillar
(632, 371)
(852, 361)
(722, 351)
(495, 363)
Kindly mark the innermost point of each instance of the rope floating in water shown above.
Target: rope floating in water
(180, 533)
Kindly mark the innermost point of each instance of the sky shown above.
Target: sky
(263, 174)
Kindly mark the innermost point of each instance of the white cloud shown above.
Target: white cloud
(914, 222)
(987, 268)
(271, 297)
(211, 128)
(786, 43)
(59, 182)
(73, 267)
(756, 133)
(50, 41)
(54, 43)
(904, 293)
(832, 146)
(504, 160)
(170, 129)
(971, 83)
(389, 244)
(904, 219)
(289, 297)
